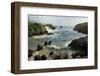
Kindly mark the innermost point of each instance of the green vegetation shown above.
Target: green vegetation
(82, 27)
(38, 28)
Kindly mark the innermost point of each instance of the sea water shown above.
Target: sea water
(61, 37)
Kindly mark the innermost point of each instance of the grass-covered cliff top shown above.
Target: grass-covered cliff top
(38, 28)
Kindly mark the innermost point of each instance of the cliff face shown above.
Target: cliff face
(82, 28)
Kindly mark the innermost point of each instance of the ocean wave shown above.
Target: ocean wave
(65, 46)
(49, 30)
(67, 43)
(46, 36)
(54, 47)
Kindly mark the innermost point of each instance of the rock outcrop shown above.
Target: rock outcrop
(81, 43)
(82, 27)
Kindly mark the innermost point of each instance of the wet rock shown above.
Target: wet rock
(39, 47)
(37, 57)
(45, 43)
(43, 57)
(51, 53)
(49, 43)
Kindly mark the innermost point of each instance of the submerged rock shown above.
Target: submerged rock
(61, 26)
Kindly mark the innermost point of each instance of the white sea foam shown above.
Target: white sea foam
(49, 30)
(46, 36)
(67, 43)
(53, 35)
(54, 47)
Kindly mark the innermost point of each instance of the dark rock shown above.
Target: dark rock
(45, 43)
(49, 43)
(37, 57)
(51, 53)
(80, 44)
(49, 33)
(60, 26)
(39, 47)
(74, 55)
(82, 27)
(43, 57)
